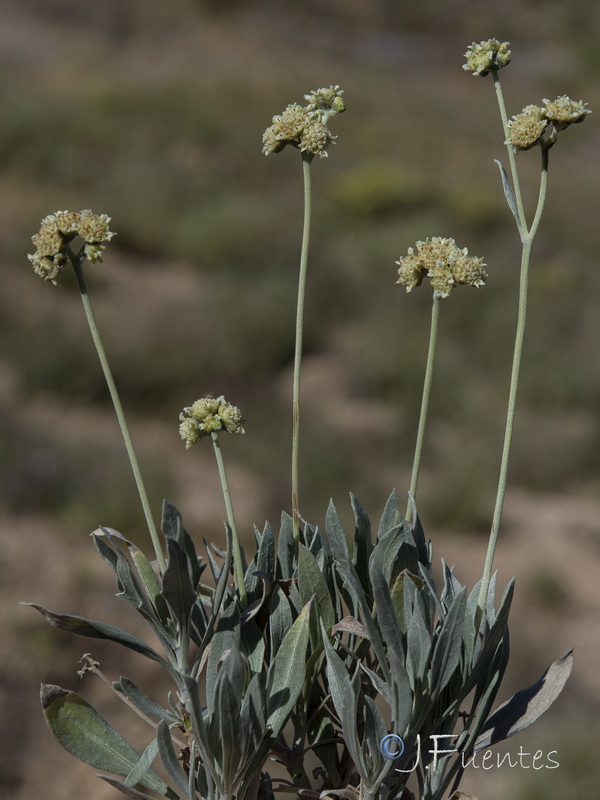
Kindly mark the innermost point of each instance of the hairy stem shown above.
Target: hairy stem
(514, 380)
(435, 313)
(135, 467)
(306, 161)
(238, 567)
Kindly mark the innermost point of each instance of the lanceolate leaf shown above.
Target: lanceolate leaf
(446, 653)
(143, 702)
(391, 515)
(79, 728)
(526, 706)
(286, 673)
(168, 757)
(177, 587)
(312, 583)
(100, 630)
(337, 537)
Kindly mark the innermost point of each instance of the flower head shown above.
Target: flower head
(326, 101)
(485, 56)
(526, 129)
(305, 127)
(315, 138)
(208, 415)
(57, 230)
(563, 111)
(444, 263)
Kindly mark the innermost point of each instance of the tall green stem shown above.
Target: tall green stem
(306, 161)
(135, 467)
(514, 379)
(238, 567)
(435, 314)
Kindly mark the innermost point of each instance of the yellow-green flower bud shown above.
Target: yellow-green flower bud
(209, 415)
(411, 270)
(212, 423)
(563, 111)
(441, 279)
(444, 263)
(291, 123)
(304, 126)
(93, 228)
(67, 222)
(231, 417)
(271, 143)
(468, 270)
(201, 408)
(326, 101)
(57, 230)
(527, 128)
(189, 430)
(485, 56)
(48, 241)
(48, 268)
(315, 138)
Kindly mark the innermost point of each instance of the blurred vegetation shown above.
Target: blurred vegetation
(153, 113)
(156, 119)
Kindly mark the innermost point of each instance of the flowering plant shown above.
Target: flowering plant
(335, 660)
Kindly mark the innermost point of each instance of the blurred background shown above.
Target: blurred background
(153, 113)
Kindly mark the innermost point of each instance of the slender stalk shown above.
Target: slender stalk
(135, 467)
(306, 161)
(435, 313)
(511, 155)
(238, 567)
(514, 379)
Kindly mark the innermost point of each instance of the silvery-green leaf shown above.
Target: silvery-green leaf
(418, 645)
(253, 645)
(484, 649)
(280, 619)
(420, 541)
(143, 702)
(169, 759)
(510, 196)
(363, 543)
(355, 588)
(451, 586)
(146, 760)
(400, 696)
(311, 583)
(526, 706)
(79, 728)
(99, 630)
(375, 731)
(263, 562)
(391, 515)
(253, 719)
(217, 598)
(286, 673)
(286, 548)
(447, 649)
(177, 587)
(345, 701)
(146, 572)
(225, 638)
(173, 528)
(337, 537)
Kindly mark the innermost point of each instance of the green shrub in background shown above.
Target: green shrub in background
(318, 651)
